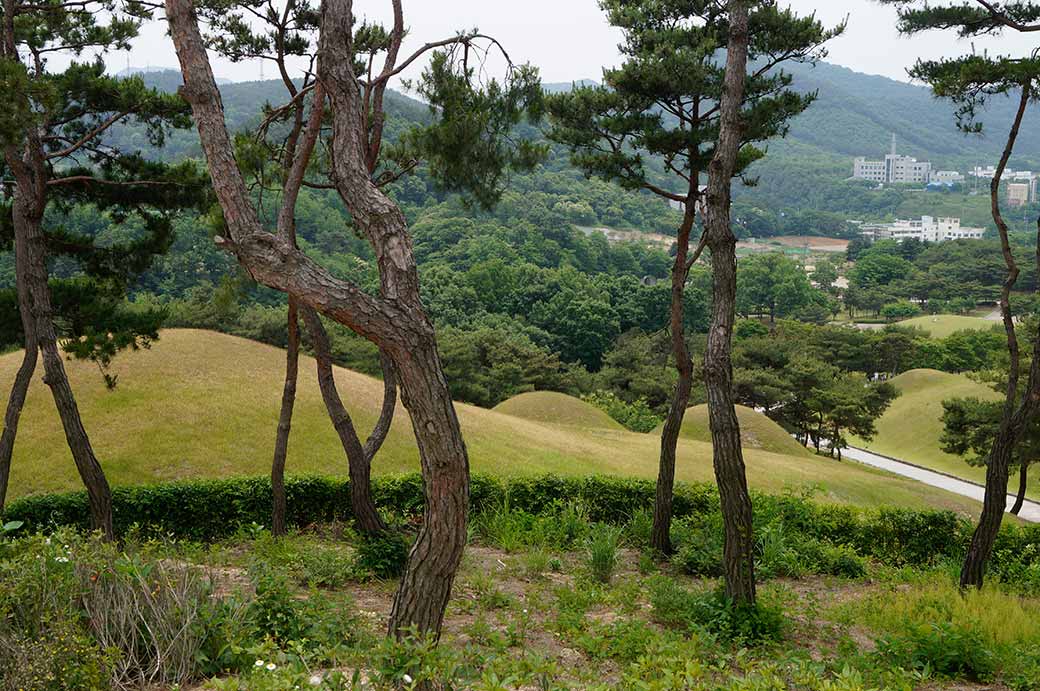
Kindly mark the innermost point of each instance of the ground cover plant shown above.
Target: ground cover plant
(558, 589)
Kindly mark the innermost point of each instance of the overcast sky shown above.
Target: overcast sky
(569, 39)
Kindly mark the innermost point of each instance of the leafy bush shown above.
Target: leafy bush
(383, 555)
(602, 550)
(948, 649)
(699, 547)
(636, 416)
(713, 613)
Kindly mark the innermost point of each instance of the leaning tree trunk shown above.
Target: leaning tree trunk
(660, 534)
(1023, 482)
(281, 444)
(395, 320)
(1014, 419)
(30, 255)
(19, 390)
(728, 458)
(359, 463)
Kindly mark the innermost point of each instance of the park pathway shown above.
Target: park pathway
(1030, 509)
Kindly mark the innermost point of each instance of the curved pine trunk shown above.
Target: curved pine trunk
(34, 290)
(16, 401)
(1023, 482)
(366, 516)
(423, 594)
(660, 534)
(281, 445)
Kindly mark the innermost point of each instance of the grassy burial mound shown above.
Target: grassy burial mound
(204, 405)
(911, 427)
(756, 431)
(558, 409)
(942, 325)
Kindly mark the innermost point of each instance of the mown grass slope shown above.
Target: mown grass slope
(557, 408)
(910, 428)
(942, 325)
(202, 404)
(756, 431)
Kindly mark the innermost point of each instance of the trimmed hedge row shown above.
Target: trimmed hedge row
(213, 509)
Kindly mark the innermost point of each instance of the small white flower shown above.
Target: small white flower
(315, 680)
(259, 663)
(63, 560)
(47, 541)
(271, 666)
(407, 679)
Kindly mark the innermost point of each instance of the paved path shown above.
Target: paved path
(1030, 509)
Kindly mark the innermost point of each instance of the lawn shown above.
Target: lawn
(942, 325)
(910, 428)
(202, 404)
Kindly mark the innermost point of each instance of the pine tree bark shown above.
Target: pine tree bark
(727, 456)
(396, 320)
(279, 525)
(660, 534)
(31, 254)
(359, 459)
(19, 389)
(1023, 483)
(1017, 414)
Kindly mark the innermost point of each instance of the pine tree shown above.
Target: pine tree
(654, 124)
(970, 82)
(53, 129)
(466, 148)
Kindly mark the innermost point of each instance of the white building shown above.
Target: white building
(928, 229)
(895, 168)
(948, 177)
(1018, 193)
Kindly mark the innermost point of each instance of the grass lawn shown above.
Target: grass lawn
(911, 427)
(942, 325)
(202, 404)
(756, 431)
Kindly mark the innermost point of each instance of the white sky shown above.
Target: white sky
(570, 39)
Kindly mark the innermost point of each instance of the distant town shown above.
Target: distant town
(895, 168)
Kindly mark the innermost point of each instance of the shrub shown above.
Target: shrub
(636, 416)
(602, 550)
(948, 649)
(699, 551)
(778, 555)
(712, 612)
(383, 555)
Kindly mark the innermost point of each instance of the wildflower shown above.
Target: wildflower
(407, 679)
(47, 541)
(315, 680)
(271, 666)
(63, 560)
(258, 663)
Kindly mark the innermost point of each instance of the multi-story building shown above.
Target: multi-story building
(1019, 193)
(895, 168)
(928, 229)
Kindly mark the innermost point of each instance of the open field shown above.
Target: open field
(910, 428)
(202, 404)
(942, 325)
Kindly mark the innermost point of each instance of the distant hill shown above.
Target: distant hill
(756, 431)
(201, 404)
(558, 409)
(910, 428)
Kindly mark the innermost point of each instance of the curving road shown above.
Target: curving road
(1030, 509)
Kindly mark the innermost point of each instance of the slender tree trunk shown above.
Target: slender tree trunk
(19, 389)
(660, 535)
(29, 203)
(728, 458)
(366, 516)
(281, 444)
(1016, 415)
(1023, 482)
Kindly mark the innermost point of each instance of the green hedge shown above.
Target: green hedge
(214, 509)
